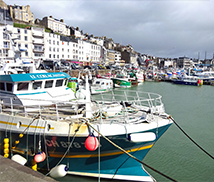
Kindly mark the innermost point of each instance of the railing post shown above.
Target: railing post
(57, 113)
(11, 105)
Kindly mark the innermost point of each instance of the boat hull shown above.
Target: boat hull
(120, 83)
(107, 161)
(185, 83)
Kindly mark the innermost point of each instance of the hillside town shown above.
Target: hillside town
(50, 38)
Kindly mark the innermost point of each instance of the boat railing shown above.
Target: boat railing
(148, 102)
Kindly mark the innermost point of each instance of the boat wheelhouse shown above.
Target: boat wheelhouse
(34, 88)
(101, 86)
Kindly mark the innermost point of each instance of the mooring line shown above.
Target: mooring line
(191, 138)
(128, 153)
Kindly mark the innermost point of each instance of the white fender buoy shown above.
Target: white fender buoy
(59, 171)
(19, 159)
(142, 137)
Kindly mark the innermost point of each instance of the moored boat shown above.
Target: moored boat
(101, 86)
(57, 130)
(207, 77)
(188, 80)
(121, 81)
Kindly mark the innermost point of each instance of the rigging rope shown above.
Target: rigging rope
(68, 147)
(87, 123)
(190, 138)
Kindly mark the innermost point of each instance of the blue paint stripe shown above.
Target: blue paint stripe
(32, 93)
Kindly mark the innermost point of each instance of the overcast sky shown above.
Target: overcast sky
(171, 28)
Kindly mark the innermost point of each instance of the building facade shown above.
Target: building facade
(55, 25)
(21, 13)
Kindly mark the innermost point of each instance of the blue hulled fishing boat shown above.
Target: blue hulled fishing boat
(46, 125)
(84, 135)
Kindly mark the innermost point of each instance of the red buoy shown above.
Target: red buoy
(91, 143)
(40, 157)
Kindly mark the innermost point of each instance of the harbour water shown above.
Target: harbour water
(174, 154)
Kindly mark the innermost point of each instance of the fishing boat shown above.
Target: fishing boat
(45, 125)
(140, 76)
(101, 85)
(121, 81)
(206, 76)
(188, 80)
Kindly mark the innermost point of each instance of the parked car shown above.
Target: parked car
(87, 66)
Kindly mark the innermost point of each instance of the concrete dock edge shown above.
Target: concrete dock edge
(11, 171)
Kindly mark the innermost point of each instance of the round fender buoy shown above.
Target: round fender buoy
(91, 143)
(59, 171)
(19, 159)
(40, 157)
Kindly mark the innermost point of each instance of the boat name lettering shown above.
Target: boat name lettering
(66, 144)
(46, 76)
(52, 143)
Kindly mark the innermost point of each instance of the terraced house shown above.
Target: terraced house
(21, 13)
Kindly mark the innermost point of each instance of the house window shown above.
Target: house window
(25, 31)
(26, 46)
(26, 53)
(6, 45)
(49, 55)
(25, 38)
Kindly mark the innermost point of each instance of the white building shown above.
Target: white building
(43, 45)
(38, 43)
(113, 57)
(56, 25)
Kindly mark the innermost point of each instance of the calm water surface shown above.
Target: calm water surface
(174, 154)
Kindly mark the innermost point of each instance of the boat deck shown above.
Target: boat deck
(133, 108)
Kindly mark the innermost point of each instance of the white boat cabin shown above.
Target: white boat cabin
(101, 85)
(40, 88)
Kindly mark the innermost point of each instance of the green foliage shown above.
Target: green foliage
(21, 25)
(48, 30)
